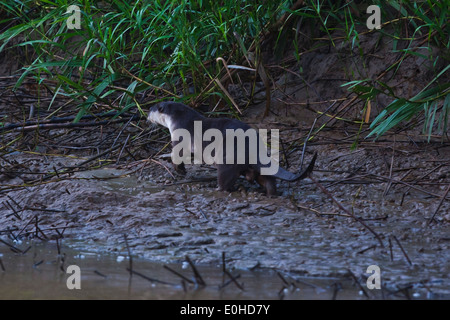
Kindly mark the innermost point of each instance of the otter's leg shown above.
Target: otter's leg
(179, 168)
(269, 183)
(227, 176)
(250, 174)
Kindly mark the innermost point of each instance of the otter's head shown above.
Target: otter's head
(170, 113)
(161, 114)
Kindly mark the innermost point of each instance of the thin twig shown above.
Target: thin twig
(346, 211)
(358, 284)
(148, 278)
(388, 186)
(232, 279)
(178, 274)
(439, 205)
(403, 250)
(130, 258)
(197, 275)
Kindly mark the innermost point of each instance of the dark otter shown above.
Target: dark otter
(175, 116)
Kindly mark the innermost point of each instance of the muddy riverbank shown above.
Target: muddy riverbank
(300, 233)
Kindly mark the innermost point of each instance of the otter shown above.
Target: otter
(173, 116)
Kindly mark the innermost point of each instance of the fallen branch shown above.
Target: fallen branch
(439, 205)
(50, 126)
(347, 211)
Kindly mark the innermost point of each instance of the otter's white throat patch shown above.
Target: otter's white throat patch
(161, 119)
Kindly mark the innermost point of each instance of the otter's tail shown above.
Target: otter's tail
(289, 176)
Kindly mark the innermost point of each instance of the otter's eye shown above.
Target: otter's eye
(160, 108)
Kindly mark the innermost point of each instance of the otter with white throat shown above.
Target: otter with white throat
(176, 116)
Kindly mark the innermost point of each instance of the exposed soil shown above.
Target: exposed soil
(395, 185)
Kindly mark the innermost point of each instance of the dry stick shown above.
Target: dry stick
(120, 133)
(49, 229)
(36, 220)
(63, 261)
(38, 263)
(282, 278)
(223, 262)
(98, 156)
(337, 286)
(183, 284)
(178, 274)
(224, 90)
(418, 179)
(58, 246)
(8, 229)
(26, 250)
(148, 278)
(401, 248)
(100, 274)
(39, 229)
(18, 205)
(346, 211)
(14, 249)
(155, 161)
(357, 282)
(332, 117)
(389, 184)
(48, 176)
(130, 269)
(223, 268)
(61, 234)
(316, 212)
(307, 84)
(281, 293)
(42, 209)
(390, 249)
(406, 174)
(121, 151)
(56, 172)
(225, 272)
(383, 178)
(28, 223)
(306, 142)
(50, 126)
(439, 205)
(367, 249)
(351, 180)
(15, 213)
(225, 67)
(197, 275)
(232, 279)
(11, 234)
(58, 120)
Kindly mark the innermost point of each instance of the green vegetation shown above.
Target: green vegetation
(125, 48)
(429, 20)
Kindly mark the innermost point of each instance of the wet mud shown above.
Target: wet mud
(300, 233)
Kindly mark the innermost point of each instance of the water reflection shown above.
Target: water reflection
(40, 273)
